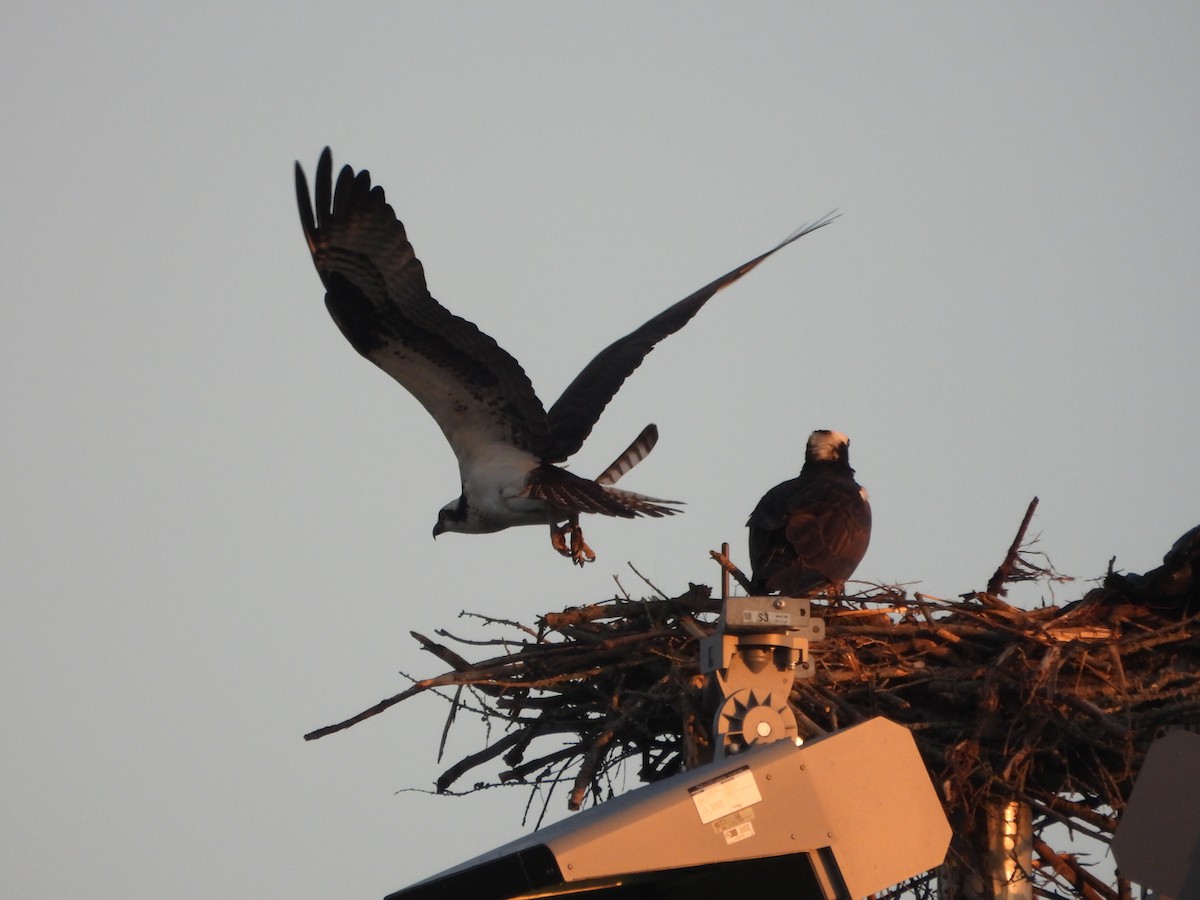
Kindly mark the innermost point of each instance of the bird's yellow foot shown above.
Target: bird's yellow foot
(580, 552)
(558, 539)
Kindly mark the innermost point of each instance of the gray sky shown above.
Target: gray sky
(216, 527)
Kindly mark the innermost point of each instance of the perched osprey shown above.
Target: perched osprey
(507, 444)
(810, 533)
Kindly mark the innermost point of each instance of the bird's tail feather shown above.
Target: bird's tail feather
(634, 454)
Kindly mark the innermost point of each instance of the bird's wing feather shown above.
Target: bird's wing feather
(831, 537)
(806, 533)
(376, 292)
(768, 543)
(574, 414)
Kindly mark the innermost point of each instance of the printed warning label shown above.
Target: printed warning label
(735, 826)
(738, 832)
(725, 795)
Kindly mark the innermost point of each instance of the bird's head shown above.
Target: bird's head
(828, 447)
(452, 516)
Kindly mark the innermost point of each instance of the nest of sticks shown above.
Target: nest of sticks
(1053, 707)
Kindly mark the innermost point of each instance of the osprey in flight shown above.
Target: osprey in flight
(506, 442)
(810, 533)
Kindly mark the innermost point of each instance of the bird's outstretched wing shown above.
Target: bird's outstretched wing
(574, 414)
(376, 292)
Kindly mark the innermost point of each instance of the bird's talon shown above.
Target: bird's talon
(558, 539)
(581, 553)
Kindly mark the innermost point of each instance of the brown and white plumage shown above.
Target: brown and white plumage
(506, 443)
(809, 534)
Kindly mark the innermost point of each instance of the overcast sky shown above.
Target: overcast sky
(216, 515)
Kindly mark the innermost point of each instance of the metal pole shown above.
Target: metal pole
(1010, 850)
(725, 572)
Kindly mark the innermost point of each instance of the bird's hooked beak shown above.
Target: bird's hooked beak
(450, 514)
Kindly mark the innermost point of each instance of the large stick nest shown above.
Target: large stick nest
(1054, 706)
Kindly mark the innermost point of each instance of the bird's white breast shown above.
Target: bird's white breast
(494, 482)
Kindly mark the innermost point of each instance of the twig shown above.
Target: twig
(1010, 568)
(491, 620)
(1089, 886)
(621, 587)
(595, 754)
(467, 763)
(450, 716)
(729, 566)
(365, 714)
(650, 584)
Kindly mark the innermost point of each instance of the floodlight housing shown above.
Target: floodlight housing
(842, 816)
